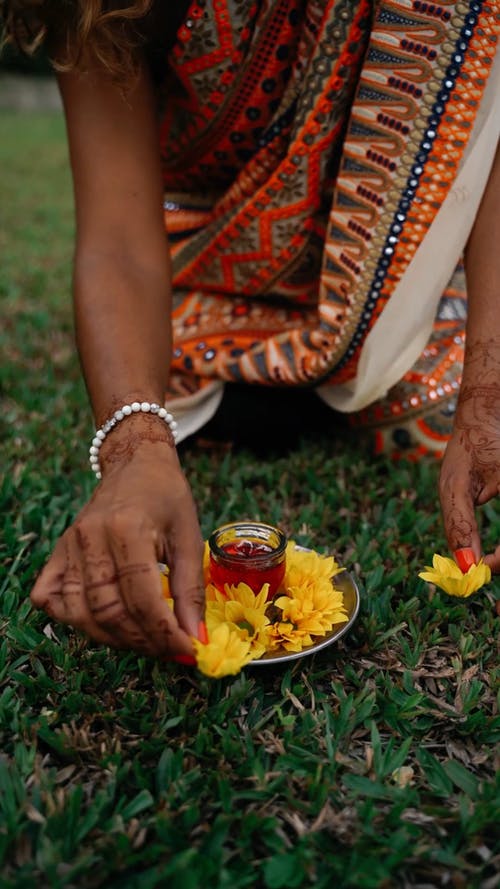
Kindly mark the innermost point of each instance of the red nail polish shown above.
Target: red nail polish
(465, 558)
(203, 632)
(187, 659)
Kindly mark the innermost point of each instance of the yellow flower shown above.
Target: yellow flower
(225, 654)
(446, 574)
(243, 611)
(307, 611)
(311, 605)
(283, 634)
(315, 610)
(211, 593)
(304, 569)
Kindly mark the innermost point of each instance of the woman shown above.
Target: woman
(319, 167)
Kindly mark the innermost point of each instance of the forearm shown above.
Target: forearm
(470, 475)
(482, 263)
(123, 327)
(103, 576)
(122, 266)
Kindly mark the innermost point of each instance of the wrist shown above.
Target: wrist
(105, 410)
(133, 428)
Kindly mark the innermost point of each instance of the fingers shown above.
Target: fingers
(101, 606)
(103, 576)
(487, 493)
(136, 560)
(91, 584)
(493, 560)
(460, 492)
(48, 586)
(185, 558)
(458, 514)
(76, 611)
(103, 579)
(59, 591)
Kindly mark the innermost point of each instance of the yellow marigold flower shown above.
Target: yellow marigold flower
(243, 610)
(305, 569)
(211, 593)
(312, 611)
(316, 612)
(283, 634)
(225, 654)
(446, 575)
(245, 596)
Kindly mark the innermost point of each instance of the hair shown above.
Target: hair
(77, 31)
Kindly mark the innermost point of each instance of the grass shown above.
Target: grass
(372, 765)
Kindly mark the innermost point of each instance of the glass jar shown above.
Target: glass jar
(248, 552)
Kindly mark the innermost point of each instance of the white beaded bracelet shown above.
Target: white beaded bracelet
(136, 407)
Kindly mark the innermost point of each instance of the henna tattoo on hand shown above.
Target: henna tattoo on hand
(104, 581)
(117, 401)
(459, 527)
(478, 409)
(165, 628)
(121, 445)
(483, 352)
(195, 595)
(99, 609)
(132, 569)
(477, 428)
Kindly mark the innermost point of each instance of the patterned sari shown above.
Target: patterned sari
(323, 162)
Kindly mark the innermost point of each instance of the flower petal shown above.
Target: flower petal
(224, 655)
(446, 575)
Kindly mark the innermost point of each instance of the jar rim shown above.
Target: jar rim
(248, 527)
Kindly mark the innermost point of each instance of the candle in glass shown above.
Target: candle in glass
(248, 552)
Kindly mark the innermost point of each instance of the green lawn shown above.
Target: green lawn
(372, 765)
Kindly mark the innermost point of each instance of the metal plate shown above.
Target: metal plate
(344, 582)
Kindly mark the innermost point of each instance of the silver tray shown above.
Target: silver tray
(342, 581)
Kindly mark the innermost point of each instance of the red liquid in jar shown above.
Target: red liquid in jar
(239, 572)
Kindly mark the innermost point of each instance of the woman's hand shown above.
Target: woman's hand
(470, 474)
(103, 575)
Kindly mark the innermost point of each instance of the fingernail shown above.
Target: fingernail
(465, 558)
(203, 632)
(187, 659)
